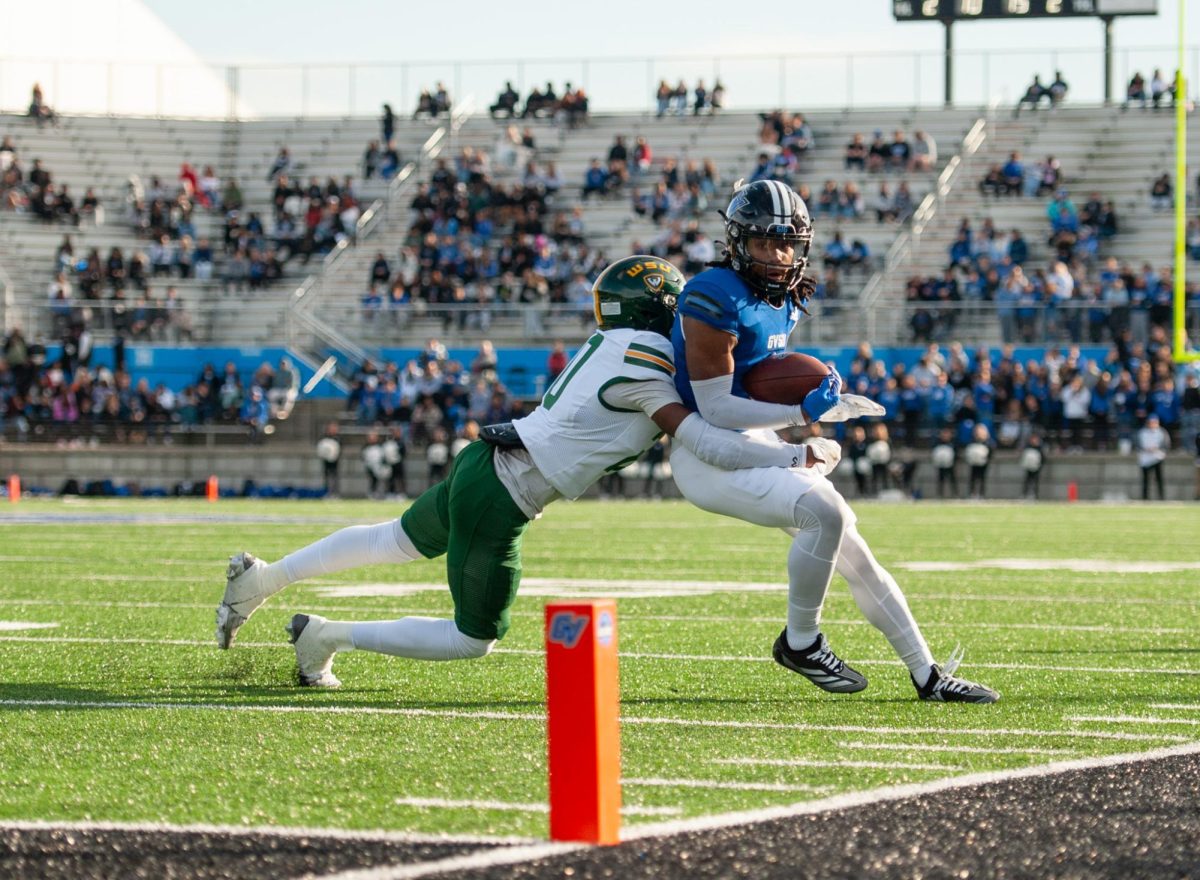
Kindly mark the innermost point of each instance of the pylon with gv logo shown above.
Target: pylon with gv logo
(583, 726)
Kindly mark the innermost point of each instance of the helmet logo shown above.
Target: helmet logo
(654, 283)
(740, 200)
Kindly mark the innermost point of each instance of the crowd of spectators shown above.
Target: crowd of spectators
(432, 398)
(477, 243)
(569, 109)
(963, 405)
(675, 99)
(898, 155)
(1158, 91)
(69, 399)
(1036, 92)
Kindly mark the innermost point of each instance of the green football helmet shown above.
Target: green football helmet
(638, 292)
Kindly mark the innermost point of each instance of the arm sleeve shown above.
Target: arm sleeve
(647, 395)
(729, 450)
(719, 406)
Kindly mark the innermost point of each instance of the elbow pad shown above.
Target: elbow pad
(718, 406)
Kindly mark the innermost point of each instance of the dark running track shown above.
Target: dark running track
(1140, 820)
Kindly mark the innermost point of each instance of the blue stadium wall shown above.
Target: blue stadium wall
(523, 370)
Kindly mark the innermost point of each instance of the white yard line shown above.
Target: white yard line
(897, 792)
(1103, 628)
(249, 830)
(625, 655)
(505, 806)
(722, 784)
(976, 750)
(1132, 719)
(813, 762)
(319, 709)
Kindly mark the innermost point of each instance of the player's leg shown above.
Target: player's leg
(879, 598)
(804, 504)
(483, 560)
(421, 532)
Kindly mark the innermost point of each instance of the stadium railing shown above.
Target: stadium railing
(625, 83)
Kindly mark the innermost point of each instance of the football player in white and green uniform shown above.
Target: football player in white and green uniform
(606, 408)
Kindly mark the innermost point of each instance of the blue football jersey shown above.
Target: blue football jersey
(721, 299)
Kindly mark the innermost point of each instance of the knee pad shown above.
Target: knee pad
(821, 517)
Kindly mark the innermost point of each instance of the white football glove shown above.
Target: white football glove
(826, 452)
(852, 406)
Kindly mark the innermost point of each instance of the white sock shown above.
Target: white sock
(880, 600)
(350, 547)
(815, 542)
(420, 638)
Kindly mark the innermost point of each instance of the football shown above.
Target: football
(784, 379)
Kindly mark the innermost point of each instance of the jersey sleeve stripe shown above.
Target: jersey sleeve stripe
(705, 304)
(638, 359)
(651, 350)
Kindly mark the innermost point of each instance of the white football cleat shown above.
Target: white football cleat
(244, 593)
(314, 657)
(852, 406)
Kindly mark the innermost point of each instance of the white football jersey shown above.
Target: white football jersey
(594, 417)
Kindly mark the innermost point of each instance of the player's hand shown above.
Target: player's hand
(853, 406)
(824, 397)
(823, 454)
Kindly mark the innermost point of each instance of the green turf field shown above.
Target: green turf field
(124, 709)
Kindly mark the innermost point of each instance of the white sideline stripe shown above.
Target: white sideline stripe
(248, 830)
(1134, 719)
(1083, 566)
(1184, 706)
(665, 618)
(897, 792)
(730, 786)
(977, 750)
(516, 716)
(813, 762)
(915, 731)
(491, 858)
(444, 803)
(229, 707)
(625, 655)
(1074, 600)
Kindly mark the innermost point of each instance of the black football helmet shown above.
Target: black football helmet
(767, 209)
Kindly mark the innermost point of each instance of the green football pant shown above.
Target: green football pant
(471, 518)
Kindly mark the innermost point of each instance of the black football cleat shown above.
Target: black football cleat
(819, 665)
(944, 687)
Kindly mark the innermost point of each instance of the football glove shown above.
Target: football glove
(850, 406)
(824, 397)
(826, 453)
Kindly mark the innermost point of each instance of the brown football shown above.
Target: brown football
(784, 379)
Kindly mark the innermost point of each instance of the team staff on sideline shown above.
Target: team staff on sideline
(600, 414)
(731, 317)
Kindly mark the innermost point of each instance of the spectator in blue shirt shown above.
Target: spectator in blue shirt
(1013, 174)
(595, 180)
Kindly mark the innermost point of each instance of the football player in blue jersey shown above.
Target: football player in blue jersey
(732, 316)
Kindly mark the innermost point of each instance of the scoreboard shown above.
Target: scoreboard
(967, 10)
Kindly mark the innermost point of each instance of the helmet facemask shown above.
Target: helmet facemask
(768, 276)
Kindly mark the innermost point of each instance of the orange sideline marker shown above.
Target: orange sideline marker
(211, 489)
(1072, 491)
(14, 488)
(582, 701)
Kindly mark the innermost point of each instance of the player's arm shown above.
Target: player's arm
(709, 353)
(728, 450)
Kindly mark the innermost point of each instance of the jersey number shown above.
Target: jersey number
(554, 392)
